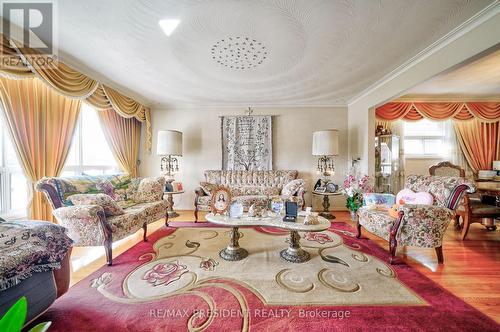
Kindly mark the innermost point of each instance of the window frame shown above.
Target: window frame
(422, 139)
(6, 173)
(80, 168)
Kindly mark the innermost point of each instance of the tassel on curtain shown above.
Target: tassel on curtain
(123, 136)
(41, 123)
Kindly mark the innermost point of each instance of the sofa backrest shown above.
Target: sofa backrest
(58, 189)
(251, 178)
(446, 190)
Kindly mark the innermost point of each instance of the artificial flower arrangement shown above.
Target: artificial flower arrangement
(354, 188)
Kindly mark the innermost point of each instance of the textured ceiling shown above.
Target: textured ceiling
(475, 80)
(317, 52)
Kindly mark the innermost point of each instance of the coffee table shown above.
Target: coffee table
(294, 253)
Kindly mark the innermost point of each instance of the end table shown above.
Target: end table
(170, 199)
(326, 203)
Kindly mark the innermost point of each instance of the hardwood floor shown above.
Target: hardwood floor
(471, 268)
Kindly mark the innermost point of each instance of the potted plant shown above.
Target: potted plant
(354, 188)
(15, 317)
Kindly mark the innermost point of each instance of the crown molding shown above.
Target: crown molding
(241, 106)
(448, 98)
(474, 21)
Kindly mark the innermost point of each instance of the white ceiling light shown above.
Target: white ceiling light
(169, 26)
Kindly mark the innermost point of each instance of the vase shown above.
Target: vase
(354, 216)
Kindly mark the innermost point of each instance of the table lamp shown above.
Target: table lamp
(169, 146)
(325, 145)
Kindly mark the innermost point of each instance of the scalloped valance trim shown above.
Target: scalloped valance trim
(75, 85)
(439, 111)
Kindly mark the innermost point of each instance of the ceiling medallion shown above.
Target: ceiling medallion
(239, 53)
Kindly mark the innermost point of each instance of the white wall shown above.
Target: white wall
(473, 39)
(292, 143)
(420, 166)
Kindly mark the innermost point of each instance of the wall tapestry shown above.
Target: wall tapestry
(247, 142)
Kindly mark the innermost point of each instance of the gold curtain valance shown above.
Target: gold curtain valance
(71, 83)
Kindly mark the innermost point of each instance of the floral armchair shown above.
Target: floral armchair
(98, 210)
(418, 225)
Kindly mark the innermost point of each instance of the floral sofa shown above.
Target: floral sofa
(418, 225)
(249, 187)
(98, 210)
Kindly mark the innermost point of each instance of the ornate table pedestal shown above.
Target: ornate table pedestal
(294, 253)
(233, 252)
(326, 203)
(170, 199)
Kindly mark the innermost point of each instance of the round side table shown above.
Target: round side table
(326, 203)
(170, 199)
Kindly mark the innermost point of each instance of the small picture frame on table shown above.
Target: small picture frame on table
(321, 190)
(291, 211)
(221, 200)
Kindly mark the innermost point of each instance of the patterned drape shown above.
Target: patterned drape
(247, 142)
(413, 111)
(72, 84)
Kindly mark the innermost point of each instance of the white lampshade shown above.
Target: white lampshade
(169, 143)
(325, 143)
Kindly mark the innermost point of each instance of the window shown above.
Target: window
(13, 183)
(425, 138)
(89, 153)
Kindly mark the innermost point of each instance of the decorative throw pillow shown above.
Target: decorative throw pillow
(107, 188)
(407, 196)
(108, 204)
(150, 190)
(292, 187)
(207, 187)
(379, 201)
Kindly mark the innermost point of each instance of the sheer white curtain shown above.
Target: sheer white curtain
(454, 151)
(397, 128)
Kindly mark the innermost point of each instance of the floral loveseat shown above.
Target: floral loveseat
(418, 225)
(249, 187)
(111, 207)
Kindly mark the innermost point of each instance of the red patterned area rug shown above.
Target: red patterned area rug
(178, 282)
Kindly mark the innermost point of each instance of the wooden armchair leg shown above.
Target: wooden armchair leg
(393, 246)
(439, 254)
(196, 214)
(358, 227)
(465, 226)
(109, 252)
(144, 236)
(166, 218)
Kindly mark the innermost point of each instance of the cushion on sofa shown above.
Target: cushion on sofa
(292, 187)
(253, 190)
(208, 187)
(109, 206)
(150, 189)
